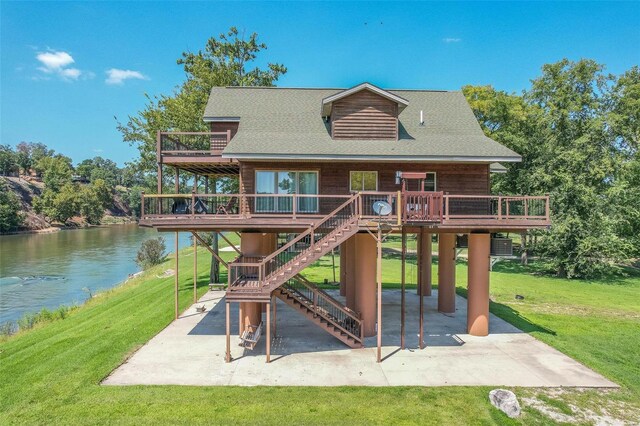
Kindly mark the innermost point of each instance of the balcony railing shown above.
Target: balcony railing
(192, 143)
(410, 207)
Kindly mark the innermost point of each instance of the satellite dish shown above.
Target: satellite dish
(382, 208)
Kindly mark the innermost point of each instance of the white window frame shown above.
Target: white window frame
(362, 171)
(297, 189)
(435, 180)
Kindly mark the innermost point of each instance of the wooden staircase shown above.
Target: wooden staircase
(254, 279)
(323, 310)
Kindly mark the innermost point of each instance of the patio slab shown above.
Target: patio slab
(191, 350)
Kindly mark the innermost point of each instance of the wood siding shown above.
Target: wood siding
(460, 179)
(223, 126)
(364, 115)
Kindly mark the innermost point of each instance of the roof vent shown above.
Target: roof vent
(421, 118)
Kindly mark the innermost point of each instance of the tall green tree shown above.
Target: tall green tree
(11, 216)
(572, 128)
(8, 160)
(226, 60)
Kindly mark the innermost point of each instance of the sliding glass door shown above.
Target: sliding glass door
(286, 183)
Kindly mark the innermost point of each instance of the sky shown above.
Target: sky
(70, 69)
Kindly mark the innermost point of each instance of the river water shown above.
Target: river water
(48, 270)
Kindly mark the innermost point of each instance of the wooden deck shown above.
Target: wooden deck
(251, 212)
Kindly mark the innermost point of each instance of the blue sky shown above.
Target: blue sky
(68, 68)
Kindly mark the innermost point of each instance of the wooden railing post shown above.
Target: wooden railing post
(315, 303)
(399, 208)
(193, 204)
(447, 200)
(499, 208)
(547, 208)
(294, 205)
(142, 205)
(158, 146)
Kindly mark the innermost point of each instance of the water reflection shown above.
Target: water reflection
(47, 270)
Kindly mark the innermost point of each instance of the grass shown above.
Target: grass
(52, 373)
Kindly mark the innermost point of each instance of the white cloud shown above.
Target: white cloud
(57, 62)
(54, 61)
(117, 76)
(451, 40)
(71, 73)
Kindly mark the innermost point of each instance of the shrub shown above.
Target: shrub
(152, 252)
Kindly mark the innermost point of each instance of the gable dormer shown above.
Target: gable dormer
(363, 112)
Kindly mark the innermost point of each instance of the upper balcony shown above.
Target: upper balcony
(452, 213)
(196, 152)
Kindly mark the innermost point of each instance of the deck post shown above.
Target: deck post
(228, 331)
(176, 278)
(402, 281)
(379, 282)
(478, 284)
(447, 273)
(269, 331)
(275, 313)
(195, 269)
(424, 262)
(421, 296)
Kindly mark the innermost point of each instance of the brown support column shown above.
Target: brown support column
(350, 272)
(228, 331)
(268, 332)
(447, 273)
(478, 285)
(254, 244)
(275, 314)
(365, 281)
(241, 325)
(343, 269)
(402, 281)
(175, 280)
(424, 265)
(195, 270)
(379, 292)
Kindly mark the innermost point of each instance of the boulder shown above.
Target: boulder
(505, 401)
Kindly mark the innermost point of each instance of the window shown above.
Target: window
(363, 181)
(430, 182)
(284, 183)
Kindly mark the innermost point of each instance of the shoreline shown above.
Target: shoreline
(54, 229)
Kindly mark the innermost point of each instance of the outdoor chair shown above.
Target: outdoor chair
(231, 207)
(180, 206)
(200, 207)
(251, 336)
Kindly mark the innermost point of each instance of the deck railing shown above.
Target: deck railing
(408, 207)
(190, 144)
(499, 208)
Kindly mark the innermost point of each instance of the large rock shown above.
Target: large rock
(505, 401)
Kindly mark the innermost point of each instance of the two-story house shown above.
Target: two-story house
(311, 164)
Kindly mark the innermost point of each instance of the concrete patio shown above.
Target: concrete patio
(190, 351)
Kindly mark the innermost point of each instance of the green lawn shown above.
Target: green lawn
(51, 374)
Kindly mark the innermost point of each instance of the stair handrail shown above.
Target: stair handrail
(349, 313)
(355, 314)
(306, 233)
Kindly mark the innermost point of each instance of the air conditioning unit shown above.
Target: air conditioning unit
(501, 246)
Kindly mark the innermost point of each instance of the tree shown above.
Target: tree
(29, 153)
(11, 216)
(56, 171)
(8, 160)
(225, 61)
(151, 252)
(572, 128)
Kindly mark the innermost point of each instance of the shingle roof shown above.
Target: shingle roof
(287, 123)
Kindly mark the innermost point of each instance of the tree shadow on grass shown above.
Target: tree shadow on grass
(512, 316)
